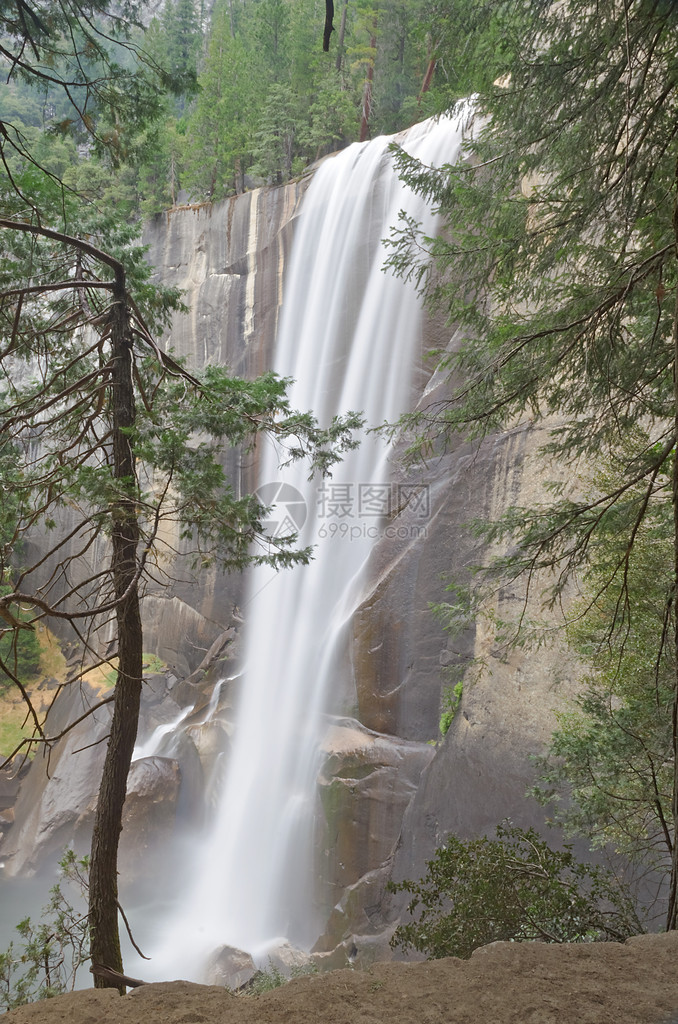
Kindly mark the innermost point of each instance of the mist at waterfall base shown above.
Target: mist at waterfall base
(350, 338)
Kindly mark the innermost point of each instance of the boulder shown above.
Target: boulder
(230, 967)
(149, 813)
(366, 783)
(285, 958)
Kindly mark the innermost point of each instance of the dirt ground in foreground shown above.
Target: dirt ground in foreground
(505, 983)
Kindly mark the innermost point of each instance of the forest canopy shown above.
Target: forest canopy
(201, 102)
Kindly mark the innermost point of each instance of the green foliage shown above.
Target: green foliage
(610, 763)
(275, 136)
(46, 960)
(19, 649)
(556, 269)
(511, 888)
(180, 47)
(266, 980)
(577, 255)
(450, 705)
(271, 977)
(219, 127)
(86, 68)
(160, 157)
(332, 117)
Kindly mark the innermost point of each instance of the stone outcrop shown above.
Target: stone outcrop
(483, 767)
(56, 802)
(228, 261)
(150, 813)
(366, 784)
(230, 967)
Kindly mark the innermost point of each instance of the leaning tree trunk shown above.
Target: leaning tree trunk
(103, 883)
(428, 77)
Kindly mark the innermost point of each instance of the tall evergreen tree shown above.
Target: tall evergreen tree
(180, 43)
(563, 245)
(87, 399)
(221, 126)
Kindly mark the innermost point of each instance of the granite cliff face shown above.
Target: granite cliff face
(228, 261)
(390, 787)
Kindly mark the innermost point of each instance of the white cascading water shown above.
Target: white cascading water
(155, 744)
(349, 337)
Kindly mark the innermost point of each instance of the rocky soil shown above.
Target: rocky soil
(505, 983)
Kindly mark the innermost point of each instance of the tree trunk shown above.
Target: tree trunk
(367, 92)
(173, 180)
(342, 36)
(428, 78)
(103, 878)
(103, 884)
(672, 914)
(329, 24)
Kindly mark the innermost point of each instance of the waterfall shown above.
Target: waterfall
(155, 744)
(349, 336)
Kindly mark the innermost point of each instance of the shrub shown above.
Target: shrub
(450, 705)
(273, 977)
(46, 961)
(513, 887)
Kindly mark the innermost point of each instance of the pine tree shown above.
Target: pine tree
(562, 243)
(221, 126)
(179, 47)
(96, 411)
